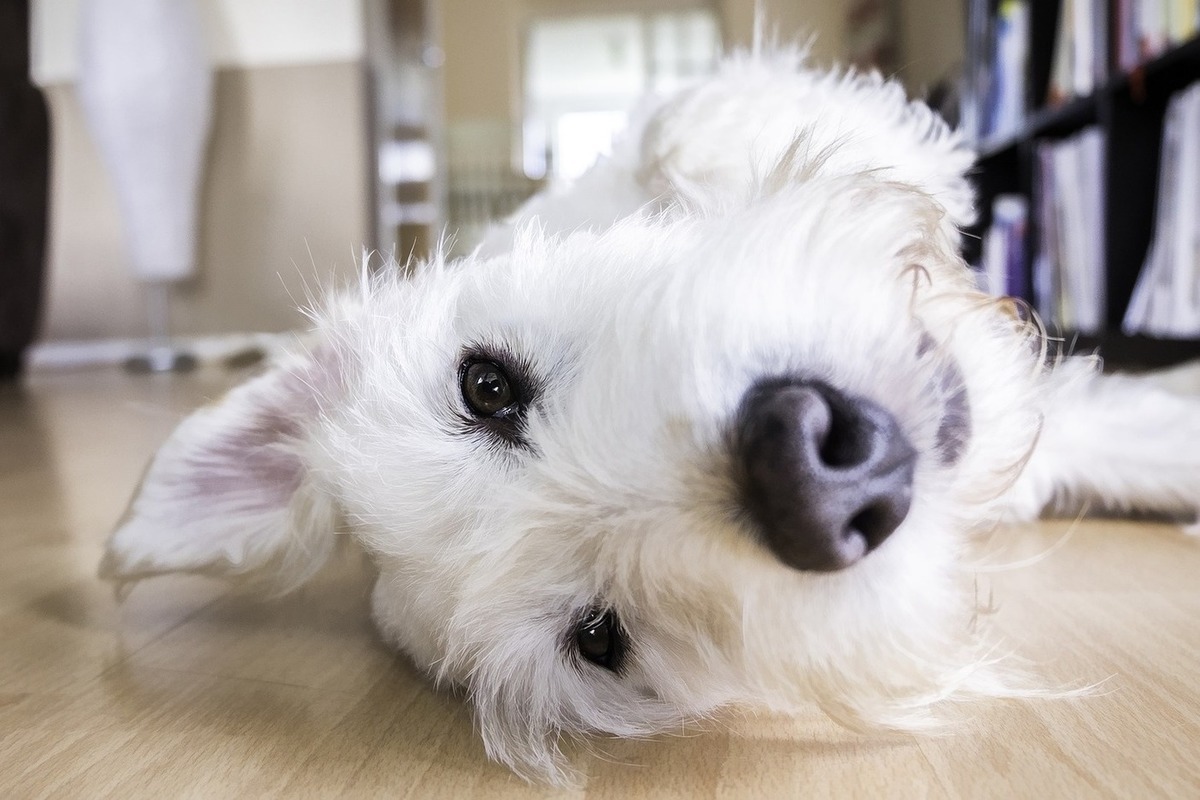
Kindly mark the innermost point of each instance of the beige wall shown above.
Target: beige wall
(285, 202)
(482, 48)
(932, 41)
(824, 21)
(932, 34)
(285, 195)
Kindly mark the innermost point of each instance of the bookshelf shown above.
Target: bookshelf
(1129, 107)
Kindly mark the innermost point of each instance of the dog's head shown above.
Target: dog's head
(617, 481)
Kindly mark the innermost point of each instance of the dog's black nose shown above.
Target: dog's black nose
(826, 476)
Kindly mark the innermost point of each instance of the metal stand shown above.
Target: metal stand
(161, 355)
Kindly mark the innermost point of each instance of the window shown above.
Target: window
(583, 74)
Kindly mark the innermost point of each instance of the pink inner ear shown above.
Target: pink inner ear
(255, 460)
(251, 463)
(227, 494)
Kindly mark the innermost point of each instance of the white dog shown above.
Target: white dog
(709, 429)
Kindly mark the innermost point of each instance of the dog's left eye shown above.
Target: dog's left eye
(497, 389)
(600, 639)
(487, 390)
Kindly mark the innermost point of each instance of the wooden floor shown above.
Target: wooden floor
(188, 689)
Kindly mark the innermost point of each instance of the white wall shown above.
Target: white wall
(239, 33)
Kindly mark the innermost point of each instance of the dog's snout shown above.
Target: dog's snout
(826, 476)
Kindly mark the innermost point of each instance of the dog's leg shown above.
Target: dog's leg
(1112, 442)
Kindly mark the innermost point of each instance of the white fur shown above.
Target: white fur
(768, 221)
(1112, 442)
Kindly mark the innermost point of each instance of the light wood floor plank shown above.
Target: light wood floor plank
(189, 689)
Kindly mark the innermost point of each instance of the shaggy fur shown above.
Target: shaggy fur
(768, 221)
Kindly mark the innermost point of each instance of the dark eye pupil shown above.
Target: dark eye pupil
(598, 638)
(486, 389)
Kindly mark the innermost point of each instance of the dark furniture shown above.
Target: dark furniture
(24, 174)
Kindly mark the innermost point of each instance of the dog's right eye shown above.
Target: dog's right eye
(487, 389)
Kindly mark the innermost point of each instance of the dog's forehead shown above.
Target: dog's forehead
(802, 240)
(564, 277)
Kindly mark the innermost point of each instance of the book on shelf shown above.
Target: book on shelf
(1166, 299)
(1146, 28)
(1003, 268)
(1080, 60)
(977, 74)
(1005, 108)
(1068, 267)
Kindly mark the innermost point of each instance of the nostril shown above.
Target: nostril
(844, 445)
(878, 520)
(870, 522)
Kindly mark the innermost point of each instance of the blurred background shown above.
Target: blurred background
(198, 167)
(338, 124)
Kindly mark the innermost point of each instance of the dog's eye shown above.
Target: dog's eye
(498, 390)
(487, 389)
(599, 638)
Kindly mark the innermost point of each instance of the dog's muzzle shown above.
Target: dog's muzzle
(827, 477)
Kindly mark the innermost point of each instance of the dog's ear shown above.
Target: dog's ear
(231, 492)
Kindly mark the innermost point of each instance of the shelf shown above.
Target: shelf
(1071, 116)
(998, 146)
(1182, 60)
(1179, 65)
(1123, 352)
